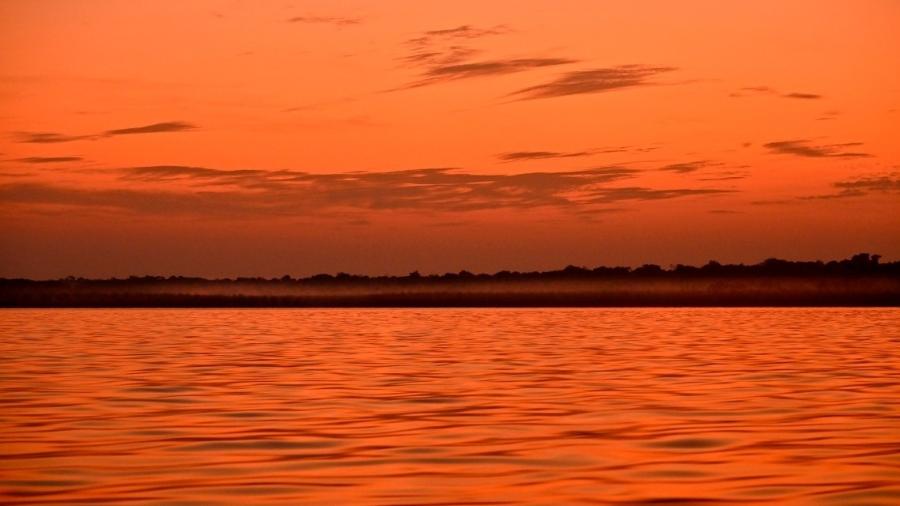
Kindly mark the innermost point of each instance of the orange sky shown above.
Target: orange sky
(229, 138)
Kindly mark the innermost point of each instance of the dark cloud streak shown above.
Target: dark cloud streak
(56, 137)
(802, 96)
(861, 187)
(167, 126)
(804, 148)
(48, 137)
(686, 167)
(593, 81)
(460, 32)
(444, 58)
(766, 90)
(253, 192)
(325, 20)
(539, 155)
(49, 159)
(444, 73)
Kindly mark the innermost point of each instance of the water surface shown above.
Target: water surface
(480, 406)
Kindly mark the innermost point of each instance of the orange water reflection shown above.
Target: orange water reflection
(403, 407)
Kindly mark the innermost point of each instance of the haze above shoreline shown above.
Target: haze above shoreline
(861, 280)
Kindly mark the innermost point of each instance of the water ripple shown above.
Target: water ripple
(450, 407)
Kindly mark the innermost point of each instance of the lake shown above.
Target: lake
(450, 406)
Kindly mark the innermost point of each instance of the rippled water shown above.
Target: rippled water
(480, 406)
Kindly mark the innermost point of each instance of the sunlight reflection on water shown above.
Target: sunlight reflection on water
(477, 406)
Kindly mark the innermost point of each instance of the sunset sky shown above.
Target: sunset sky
(261, 138)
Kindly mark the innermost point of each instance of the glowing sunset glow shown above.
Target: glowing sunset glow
(398, 252)
(230, 138)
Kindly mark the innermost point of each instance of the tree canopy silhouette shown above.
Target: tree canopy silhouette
(860, 280)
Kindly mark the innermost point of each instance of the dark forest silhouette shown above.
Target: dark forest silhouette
(862, 280)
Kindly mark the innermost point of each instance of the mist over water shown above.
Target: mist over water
(450, 406)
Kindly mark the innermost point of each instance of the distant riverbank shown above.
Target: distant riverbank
(859, 281)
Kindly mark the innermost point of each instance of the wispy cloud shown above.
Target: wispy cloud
(802, 96)
(183, 172)
(772, 202)
(608, 195)
(252, 192)
(444, 73)
(805, 148)
(766, 90)
(686, 167)
(49, 159)
(828, 116)
(446, 56)
(539, 155)
(56, 137)
(862, 186)
(15, 174)
(483, 68)
(872, 183)
(48, 137)
(435, 58)
(759, 89)
(445, 46)
(727, 175)
(167, 126)
(593, 81)
(430, 37)
(325, 20)
(522, 156)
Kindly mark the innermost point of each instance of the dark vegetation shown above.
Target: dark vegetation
(859, 281)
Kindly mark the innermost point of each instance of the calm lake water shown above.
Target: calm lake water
(479, 406)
